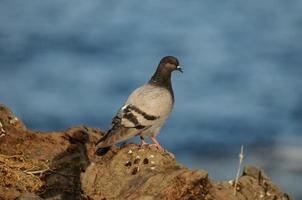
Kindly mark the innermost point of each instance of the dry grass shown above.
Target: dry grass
(241, 156)
(21, 173)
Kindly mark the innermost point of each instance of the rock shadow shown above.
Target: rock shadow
(63, 180)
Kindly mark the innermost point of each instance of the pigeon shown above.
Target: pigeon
(146, 109)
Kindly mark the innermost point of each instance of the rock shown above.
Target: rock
(144, 173)
(65, 165)
(55, 158)
(8, 121)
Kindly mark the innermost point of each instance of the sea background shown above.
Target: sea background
(65, 63)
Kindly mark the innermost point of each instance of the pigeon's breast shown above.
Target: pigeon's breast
(153, 100)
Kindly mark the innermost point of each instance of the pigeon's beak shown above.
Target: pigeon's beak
(178, 68)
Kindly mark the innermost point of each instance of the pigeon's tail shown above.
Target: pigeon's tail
(102, 151)
(102, 139)
(114, 136)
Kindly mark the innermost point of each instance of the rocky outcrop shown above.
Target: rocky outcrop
(65, 165)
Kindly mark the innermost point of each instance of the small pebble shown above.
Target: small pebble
(152, 162)
(14, 120)
(136, 161)
(137, 157)
(146, 161)
(152, 168)
(130, 151)
(268, 194)
(151, 156)
(128, 164)
(135, 170)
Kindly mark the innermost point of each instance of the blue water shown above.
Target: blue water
(64, 63)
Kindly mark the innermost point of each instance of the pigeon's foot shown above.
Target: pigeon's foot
(161, 149)
(157, 147)
(156, 143)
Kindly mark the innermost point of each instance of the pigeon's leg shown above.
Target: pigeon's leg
(143, 142)
(156, 143)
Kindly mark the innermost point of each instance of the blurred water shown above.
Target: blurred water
(64, 63)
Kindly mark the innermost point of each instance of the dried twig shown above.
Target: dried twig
(2, 131)
(241, 156)
(40, 172)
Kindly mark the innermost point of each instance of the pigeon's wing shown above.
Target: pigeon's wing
(124, 126)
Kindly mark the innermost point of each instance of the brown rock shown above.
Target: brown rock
(63, 165)
(160, 178)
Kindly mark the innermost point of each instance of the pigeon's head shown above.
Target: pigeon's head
(169, 64)
(162, 75)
